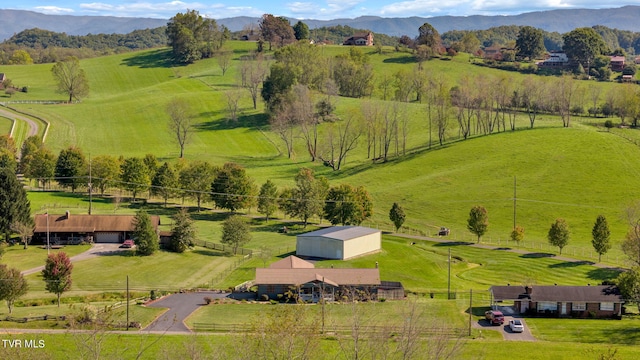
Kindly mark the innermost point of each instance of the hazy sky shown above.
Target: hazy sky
(304, 9)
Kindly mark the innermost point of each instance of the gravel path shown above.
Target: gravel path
(180, 307)
(33, 126)
(96, 250)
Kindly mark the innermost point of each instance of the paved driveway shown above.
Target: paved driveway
(505, 330)
(180, 307)
(95, 250)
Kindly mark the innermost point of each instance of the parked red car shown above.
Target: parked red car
(495, 317)
(127, 244)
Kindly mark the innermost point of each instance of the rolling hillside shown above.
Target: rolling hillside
(576, 173)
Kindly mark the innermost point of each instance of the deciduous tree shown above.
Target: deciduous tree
(70, 78)
(582, 45)
(14, 204)
(235, 232)
(530, 43)
(165, 182)
(268, 199)
(478, 221)
(135, 176)
(232, 188)
(559, 234)
(600, 236)
(105, 172)
(12, 285)
(71, 168)
(397, 215)
(629, 284)
(57, 273)
(180, 119)
(517, 234)
(144, 235)
(307, 198)
(196, 179)
(347, 205)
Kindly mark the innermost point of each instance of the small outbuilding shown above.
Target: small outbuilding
(338, 242)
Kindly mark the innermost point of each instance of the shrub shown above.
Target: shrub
(207, 300)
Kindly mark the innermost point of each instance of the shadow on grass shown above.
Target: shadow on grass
(245, 121)
(537, 255)
(453, 243)
(568, 264)
(602, 274)
(208, 252)
(409, 59)
(154, 59)
(630, 336)
(503, 248)
(282, 256)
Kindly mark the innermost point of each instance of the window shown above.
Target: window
(579, 306)
(607, 306)
(547, 305)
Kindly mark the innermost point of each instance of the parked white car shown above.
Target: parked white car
(516, 325)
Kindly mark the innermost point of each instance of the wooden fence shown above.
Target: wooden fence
(33, 318)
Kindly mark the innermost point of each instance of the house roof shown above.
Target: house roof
(343, 233)
(617, 58)
(599, 293)
(335, 277)
(87, 223)
(291, 262)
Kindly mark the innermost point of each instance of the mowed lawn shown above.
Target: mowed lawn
(24, 259)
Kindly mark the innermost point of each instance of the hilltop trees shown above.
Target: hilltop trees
(193, 37)
(478, 221)
(276, 30)
(14, 204)
(530, 43)
(429, 37)
(71, 78)
(559, 234)
(57, 273)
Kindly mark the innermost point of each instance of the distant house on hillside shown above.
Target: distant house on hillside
(365, 39)
(555, 59)
(617, 63)
(602, 301)
(73, 229)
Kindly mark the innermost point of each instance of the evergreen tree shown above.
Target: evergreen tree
(268, 199)
(397, 216)
(601, 234)
(145, 236)
(301, 30)
(183, 232)
(478, 221)
(57, 274)
(14, 204)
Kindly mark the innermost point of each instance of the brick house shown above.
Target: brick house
(601, 301)
(617, 63)
(311, 284)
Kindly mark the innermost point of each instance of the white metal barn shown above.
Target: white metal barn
(338, 242)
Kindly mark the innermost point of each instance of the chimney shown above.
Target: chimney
(67, 214)
(528, 289)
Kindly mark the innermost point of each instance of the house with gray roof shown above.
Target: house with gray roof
(338, 242)
(601, 301)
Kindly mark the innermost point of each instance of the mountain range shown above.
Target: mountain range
(623, 18)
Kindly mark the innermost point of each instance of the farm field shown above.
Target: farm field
(575, 173)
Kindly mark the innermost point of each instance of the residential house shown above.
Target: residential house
(365, 39)
(493, 52)
(601, 301)
(338, 242)
(555, 59)
(303, 280)
(617, 63)
(73, 229)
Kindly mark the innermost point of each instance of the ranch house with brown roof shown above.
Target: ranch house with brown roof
(601, 301)
(73, 229)
(365, 39)
(311, 284)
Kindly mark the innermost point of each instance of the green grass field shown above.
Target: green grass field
(575, 173)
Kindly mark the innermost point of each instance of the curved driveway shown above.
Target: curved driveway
(33, 126)
(180, 307)
(95, 250)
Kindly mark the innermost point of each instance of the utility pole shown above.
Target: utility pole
(449, 278)
(514, 203)
(90, 186)
(470, 309)
(127, 302)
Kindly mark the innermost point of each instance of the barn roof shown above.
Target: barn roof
(341, 232)
(599, 293)
(87, 223)
(336, 277)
